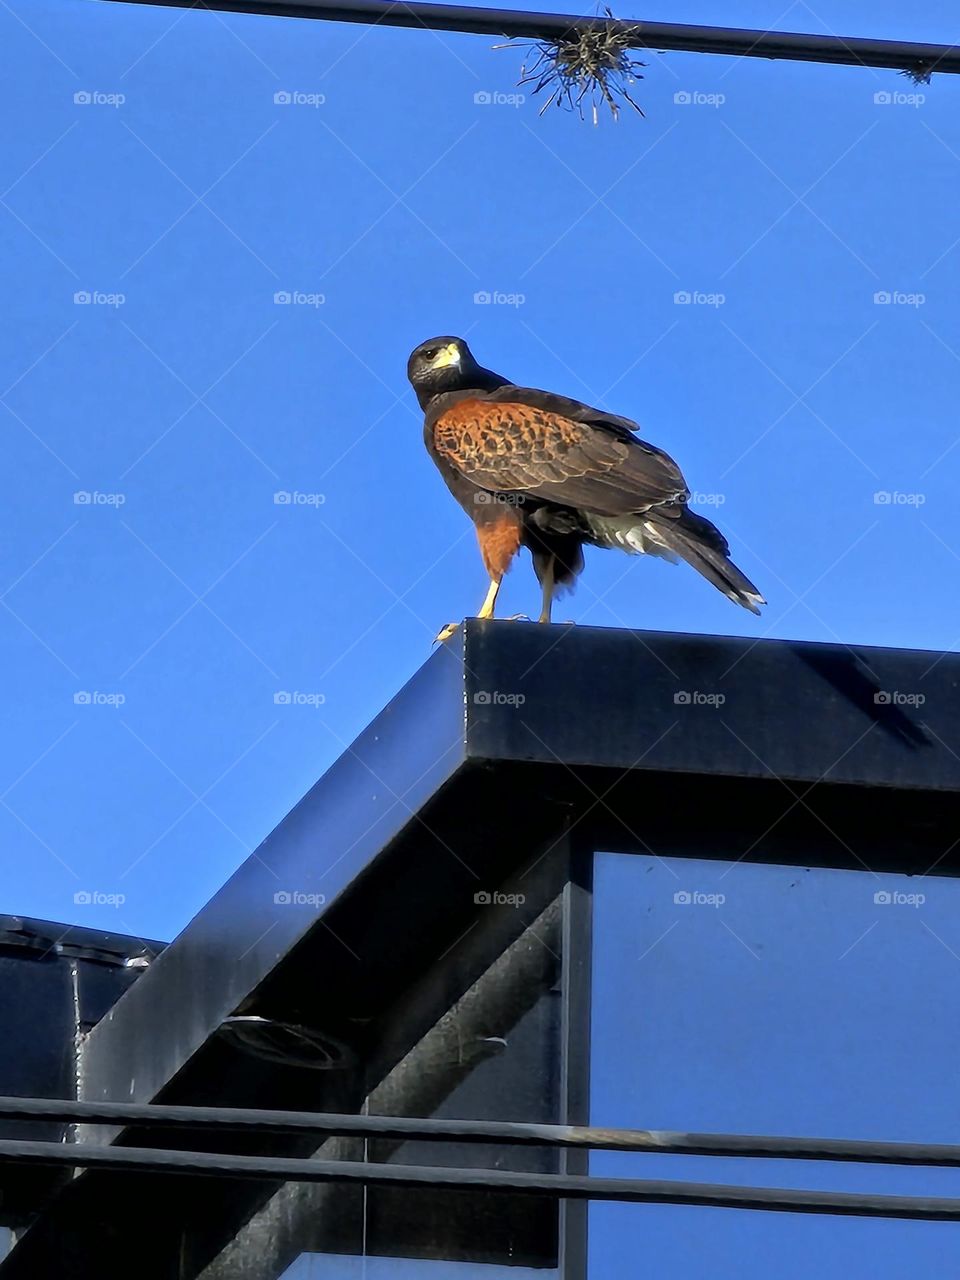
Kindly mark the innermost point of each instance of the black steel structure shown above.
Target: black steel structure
(373, 956)
(904, 55)
(56, 983)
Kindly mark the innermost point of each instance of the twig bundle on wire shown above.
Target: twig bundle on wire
(591, 66)
(920, 72)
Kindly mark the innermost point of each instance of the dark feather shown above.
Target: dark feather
(521, 440)
(705, 549)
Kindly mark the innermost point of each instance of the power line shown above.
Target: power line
(566, 1186)
(500, 1132)
(919, 59)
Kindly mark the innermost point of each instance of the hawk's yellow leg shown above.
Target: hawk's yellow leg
(548, 582)
(486, 611)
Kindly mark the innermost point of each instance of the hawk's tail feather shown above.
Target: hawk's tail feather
(704, 548)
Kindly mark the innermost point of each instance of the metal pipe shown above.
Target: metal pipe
(731, 41)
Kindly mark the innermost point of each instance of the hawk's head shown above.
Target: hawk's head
(447, 364)
(439, 363)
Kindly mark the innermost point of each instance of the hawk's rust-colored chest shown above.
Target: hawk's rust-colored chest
(479, 433)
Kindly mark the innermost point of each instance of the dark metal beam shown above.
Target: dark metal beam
(638, 702)
(576, 1049)
(730, 41)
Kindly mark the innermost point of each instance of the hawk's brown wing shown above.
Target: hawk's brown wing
(516, 439)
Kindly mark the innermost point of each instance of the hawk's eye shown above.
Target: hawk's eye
(431, 354)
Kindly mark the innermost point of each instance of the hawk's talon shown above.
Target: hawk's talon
(446, 632)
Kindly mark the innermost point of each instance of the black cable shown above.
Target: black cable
(501, 1132)
(852, 51)
(567, 1186)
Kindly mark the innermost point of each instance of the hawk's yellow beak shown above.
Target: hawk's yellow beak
(448, 356)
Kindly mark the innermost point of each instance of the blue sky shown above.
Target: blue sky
(197, 398)
(180, 599)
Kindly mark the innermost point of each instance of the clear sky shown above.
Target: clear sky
(147, 165)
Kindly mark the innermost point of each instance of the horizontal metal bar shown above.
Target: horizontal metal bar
(851, 51)
(566, 1186)
(500, 1132)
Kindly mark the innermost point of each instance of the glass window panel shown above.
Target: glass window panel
(326, 1267)
(768, 999)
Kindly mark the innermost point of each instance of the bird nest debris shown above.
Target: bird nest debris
(589, 68)
(920, 72)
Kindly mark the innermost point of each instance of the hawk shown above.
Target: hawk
(536, 470)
